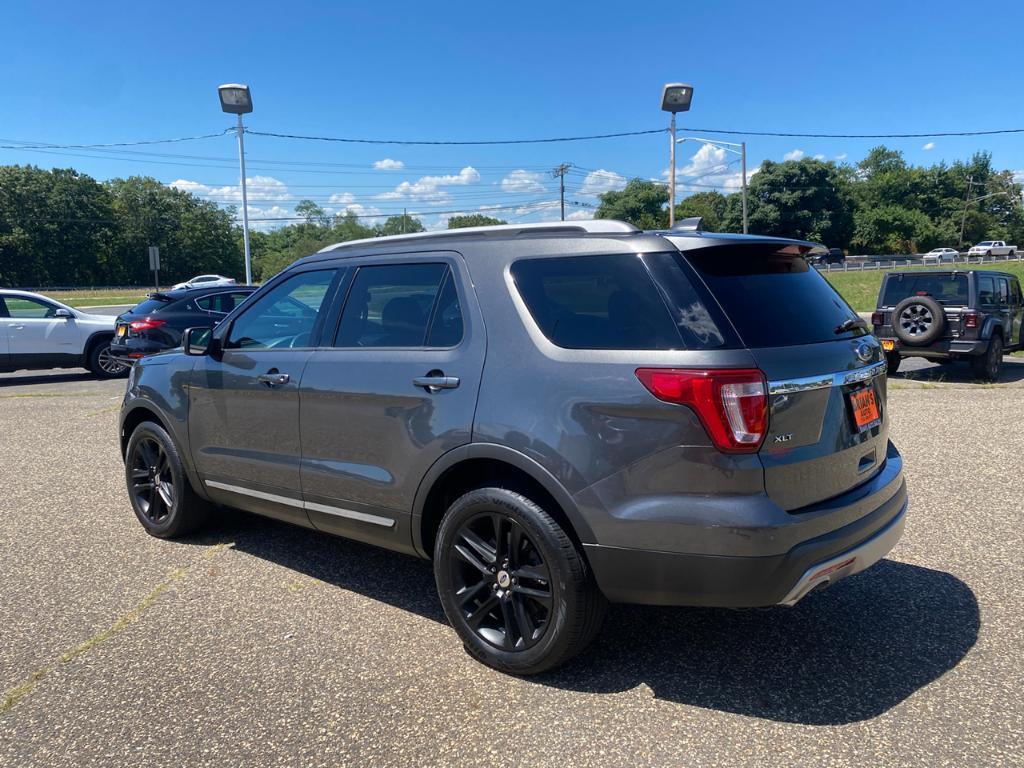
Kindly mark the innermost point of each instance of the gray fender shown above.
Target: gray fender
(509, 456)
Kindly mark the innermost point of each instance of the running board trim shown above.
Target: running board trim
(350, 514)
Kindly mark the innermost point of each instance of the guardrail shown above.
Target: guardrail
(856, 264)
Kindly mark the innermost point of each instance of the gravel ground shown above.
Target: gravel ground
(259, 643)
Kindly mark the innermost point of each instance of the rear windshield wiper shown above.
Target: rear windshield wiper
(849, 325)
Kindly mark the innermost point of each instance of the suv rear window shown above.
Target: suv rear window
(946, 288)
(151, 305)
(612, 302)
(773, 298)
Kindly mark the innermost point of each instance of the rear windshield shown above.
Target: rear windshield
(151, 305)
(948, 288)
(612, 302)
(774, 299)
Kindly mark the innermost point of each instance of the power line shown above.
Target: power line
(487, 142)
(936, 135)
(45, 145)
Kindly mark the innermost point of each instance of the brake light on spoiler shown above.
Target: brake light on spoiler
(731, 403)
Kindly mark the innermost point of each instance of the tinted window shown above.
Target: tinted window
(151, 305)
(390, 305)
(1004, 291)
(596, 302)
(446, 326)
(986, 290)
(285, 316)
(220, 302)
(946, 288)
(773, 298)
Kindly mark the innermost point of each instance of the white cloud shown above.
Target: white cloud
(578, 215)
(841, 156)
(929, 146)
(341, 198)
(387, 164)
(600, 181)
(819, 157)
(794, 154)
(264, 188)
(523, 181)
(709, 169)
(1018, 177)
(428, 188)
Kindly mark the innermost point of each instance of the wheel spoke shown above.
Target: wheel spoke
(526, 627)
(467, 554)
(481, 611)
(466, 594)
(512, 630)
(147, 453)
(532, 572)
(516, 539)
(539, 595)
(500, 538)
(481, 547)
(166, 495)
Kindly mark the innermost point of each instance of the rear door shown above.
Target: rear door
(36, 338)
(395, 391)
(828, 418)
(244, 402)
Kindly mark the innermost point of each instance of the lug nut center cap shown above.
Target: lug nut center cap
(504, 580)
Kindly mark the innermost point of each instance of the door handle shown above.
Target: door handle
(17, 327)
(273, 379)
(435, 381)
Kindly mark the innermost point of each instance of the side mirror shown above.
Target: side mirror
(198, 341)
(64, 314)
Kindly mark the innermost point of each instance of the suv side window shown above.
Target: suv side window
(1004, 292)
(286, 316)
(29, 309)
(986, 291)
(221, 302)
(391, 305)
(596, 302)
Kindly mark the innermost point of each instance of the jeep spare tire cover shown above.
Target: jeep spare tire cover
(918, 320)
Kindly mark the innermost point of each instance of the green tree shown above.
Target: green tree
(711, 206)
(473, 220)
(400, 225)
(312, 213)
(641, 203)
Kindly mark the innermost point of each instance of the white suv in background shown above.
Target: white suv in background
(37, 332)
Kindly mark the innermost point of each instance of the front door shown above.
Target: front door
(37, 339)
(397, 390)
(244, 401)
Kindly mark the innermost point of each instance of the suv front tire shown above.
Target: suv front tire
(513, 584)
(987, 366)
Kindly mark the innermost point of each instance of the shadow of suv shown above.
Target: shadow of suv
(974, 315)
(557, 415)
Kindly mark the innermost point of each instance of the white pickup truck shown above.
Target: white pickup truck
(992, 248)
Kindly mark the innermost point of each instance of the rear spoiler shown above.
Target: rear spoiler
(159, 296)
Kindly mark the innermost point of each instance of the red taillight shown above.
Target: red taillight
(969, 319)
(732, 403)
(146, 325)
(877, 318)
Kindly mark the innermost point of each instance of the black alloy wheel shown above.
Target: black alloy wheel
(159, 490)
(513, 584)
(501, 583)
(988, 365)
(152, 484)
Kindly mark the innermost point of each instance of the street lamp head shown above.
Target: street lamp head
(676, 97)
(235, 98)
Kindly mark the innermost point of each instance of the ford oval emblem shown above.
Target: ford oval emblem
(865, 353)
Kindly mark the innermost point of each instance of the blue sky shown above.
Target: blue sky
(104, 72)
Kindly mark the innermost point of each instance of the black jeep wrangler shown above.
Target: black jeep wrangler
(973, 315)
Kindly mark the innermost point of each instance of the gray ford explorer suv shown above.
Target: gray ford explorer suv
(558, 415)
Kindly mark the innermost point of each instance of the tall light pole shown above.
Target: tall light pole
(236, 99)
(675, 97)
(728, 147)
(559, 173)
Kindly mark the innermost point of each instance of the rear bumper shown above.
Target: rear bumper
(656, 577)
(130, 350)
(940, 350)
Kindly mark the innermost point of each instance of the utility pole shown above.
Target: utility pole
(743, 155)
(405, 218)
(559, 173)
(967, 199)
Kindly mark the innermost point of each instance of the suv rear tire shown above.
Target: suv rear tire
(918, 320)
(987, 366)
(158, 488)
(513, 584)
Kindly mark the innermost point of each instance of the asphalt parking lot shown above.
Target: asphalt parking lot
(258, 643)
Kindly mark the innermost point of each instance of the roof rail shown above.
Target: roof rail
(587, 226)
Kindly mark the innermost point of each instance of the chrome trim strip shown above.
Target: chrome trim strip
(363, 517)
(821, 381)
(351, 514)
(847, 563)
(255, 494)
